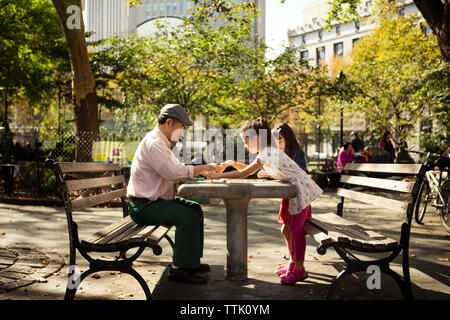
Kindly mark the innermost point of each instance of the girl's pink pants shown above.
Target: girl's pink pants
(297, 241)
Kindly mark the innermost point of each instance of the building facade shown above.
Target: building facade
(320, 46)
(104, 18)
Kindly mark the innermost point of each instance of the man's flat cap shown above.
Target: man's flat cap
(176, 111)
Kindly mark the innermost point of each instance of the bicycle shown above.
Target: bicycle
(434, 190)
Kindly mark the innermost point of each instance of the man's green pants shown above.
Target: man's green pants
(185, 215)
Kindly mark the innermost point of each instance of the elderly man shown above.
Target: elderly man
(151, 190)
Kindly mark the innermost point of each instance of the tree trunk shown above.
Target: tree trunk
(83, 84)
(437, 15)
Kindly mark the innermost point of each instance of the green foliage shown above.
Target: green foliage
(435, 143)
(398, 72)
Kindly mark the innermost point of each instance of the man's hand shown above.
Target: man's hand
(214, 168)
(211, 175)
(202, 169)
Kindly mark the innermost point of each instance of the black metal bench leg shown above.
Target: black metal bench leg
(336, 281)
(169, 240)
(403, 285)
(141, 281)
(70, 293)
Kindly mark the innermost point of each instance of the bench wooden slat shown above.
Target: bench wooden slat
(385, 167)
(159, 233)
(107, 230)
(80, 184)
(394, 185)
(316, 233)
(124, 235)
(336, 233)
(378, 201)
(356, 232)
(359, 229)
(69, 167)
(83, 203)
(117, 232)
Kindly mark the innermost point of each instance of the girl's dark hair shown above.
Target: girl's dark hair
(291, 143)
(348, 143)
(257, 125)
(386, 134)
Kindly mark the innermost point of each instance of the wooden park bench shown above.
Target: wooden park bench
(349, 238)
(75, 181)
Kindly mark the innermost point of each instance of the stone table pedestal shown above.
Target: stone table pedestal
(236, 194)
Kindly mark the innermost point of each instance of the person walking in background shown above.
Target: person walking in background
(357, 143)
(386, 145)
(346, 155)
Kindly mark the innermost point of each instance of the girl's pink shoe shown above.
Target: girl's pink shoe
(294, 276)
(284, 269)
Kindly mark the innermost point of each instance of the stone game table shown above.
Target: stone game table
(236, 194)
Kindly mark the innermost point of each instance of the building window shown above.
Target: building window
(181, 6)
(155, 7)
(339, 49)
(356, 40)
(148, 7)
(303, 39)
(174, 7)
(304, 55)
(338, 30)
(357, 25)
(168, 7)
(161, 7)
(320, 55)
(320, 34)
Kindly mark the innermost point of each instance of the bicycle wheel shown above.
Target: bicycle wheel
(445, 191)
(423, 199)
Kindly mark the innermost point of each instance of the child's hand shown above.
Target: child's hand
(226, 164)
(263, 174)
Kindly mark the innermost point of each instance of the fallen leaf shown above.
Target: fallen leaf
(96, 276)
(443, 259)
(42, 280)
(124, 296)
(412, 255)
(250, 257)
(3, 234)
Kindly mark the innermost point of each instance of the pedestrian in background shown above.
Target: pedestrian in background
(357, 143)
(386, 144)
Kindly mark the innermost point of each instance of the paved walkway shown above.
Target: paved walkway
(36, 227)
(21, 266)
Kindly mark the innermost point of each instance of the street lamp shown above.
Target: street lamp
(339, 80)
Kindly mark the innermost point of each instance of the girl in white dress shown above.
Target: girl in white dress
(258, 139)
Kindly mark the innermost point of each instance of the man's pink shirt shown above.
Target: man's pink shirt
(155, 168)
